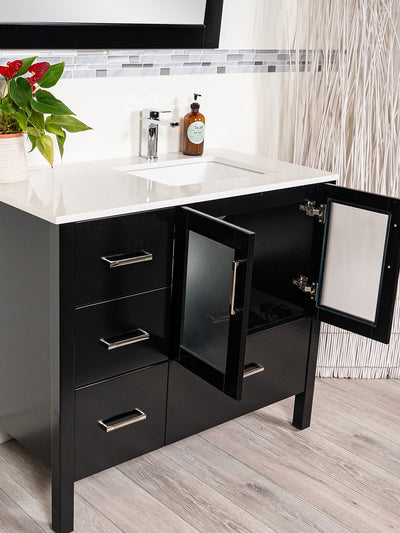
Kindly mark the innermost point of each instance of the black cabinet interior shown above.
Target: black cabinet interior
(287, 243)
(282, 249)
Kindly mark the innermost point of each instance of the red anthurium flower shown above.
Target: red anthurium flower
(11, 69)
(38, 70)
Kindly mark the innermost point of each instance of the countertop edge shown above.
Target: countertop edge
(163, 204)
(91, 190)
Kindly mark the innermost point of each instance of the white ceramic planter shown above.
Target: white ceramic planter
(13, 163)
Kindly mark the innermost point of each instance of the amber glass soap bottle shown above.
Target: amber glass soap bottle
(193, 130)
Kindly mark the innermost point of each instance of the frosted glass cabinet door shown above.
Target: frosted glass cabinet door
(360, 262)
(212, 276)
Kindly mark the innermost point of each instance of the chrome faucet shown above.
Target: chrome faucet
(150, 121)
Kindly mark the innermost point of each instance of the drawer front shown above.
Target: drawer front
(123, 255)
(121, 335)
(131, 407)
(281, 351)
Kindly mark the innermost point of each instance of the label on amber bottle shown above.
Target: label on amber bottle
(195, 132)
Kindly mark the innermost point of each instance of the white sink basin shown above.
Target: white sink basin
(184, 172)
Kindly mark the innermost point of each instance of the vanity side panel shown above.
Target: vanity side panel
(25, 356)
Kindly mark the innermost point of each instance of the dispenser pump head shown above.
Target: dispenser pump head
(195, 104)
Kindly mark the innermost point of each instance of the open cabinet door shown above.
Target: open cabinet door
(211, 295)
(360, 262)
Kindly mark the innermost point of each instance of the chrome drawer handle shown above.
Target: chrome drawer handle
(138, 335)
(127, 259)
(121, 421)
(251, 369)
(235, 267)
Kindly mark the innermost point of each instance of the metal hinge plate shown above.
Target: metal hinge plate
(303, 284)
(310, 209)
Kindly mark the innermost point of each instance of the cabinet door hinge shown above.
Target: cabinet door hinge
(303, 284)
(310, 209)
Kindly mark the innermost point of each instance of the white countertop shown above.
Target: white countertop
(87, 190)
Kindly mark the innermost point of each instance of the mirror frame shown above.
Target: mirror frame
(110, 36)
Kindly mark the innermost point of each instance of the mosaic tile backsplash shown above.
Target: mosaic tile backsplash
(121, 63)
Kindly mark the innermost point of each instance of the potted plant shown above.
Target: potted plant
(26, 107)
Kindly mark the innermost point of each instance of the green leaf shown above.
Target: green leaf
(45, 147)
(33, 142)
(8, 106)
(31, 131)
(71, 124)
(52, 75)
(60, 142)
(26, 63)
(54, 128)
(46, 103)
(22, 119)
(37, 120)
(21, 92)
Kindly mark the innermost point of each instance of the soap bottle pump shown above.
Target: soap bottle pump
(193, 130)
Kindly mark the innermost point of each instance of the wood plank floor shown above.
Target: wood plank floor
(256, 474)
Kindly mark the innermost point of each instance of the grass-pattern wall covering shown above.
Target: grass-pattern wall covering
(347, 119)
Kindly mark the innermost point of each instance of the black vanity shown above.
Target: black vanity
(126, 333)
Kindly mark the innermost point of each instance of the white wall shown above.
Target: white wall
(258, 24)
(243, 111)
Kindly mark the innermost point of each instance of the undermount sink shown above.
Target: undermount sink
(184, 172)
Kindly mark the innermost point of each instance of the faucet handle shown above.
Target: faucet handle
(150, 114)
(154, 113)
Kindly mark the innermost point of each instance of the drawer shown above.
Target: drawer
(119, 419)
(122, 335)
(123, 255)
(282, 352)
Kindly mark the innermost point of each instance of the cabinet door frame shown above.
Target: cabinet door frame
(381, 328)
(242, 242)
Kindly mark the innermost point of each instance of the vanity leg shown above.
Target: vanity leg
(303, 401)
(62, 504)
